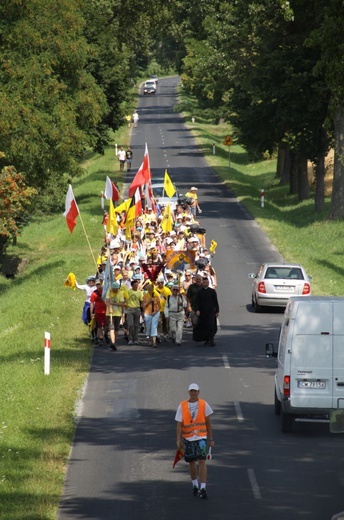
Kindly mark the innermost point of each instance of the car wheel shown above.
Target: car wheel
(257, 307)
(287, 422)
(277, 405)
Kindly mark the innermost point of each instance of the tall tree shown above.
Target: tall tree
(49, 104)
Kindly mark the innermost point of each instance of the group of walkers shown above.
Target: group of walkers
(135, 287)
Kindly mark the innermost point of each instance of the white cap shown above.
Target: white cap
(193, 386)
(193, 188)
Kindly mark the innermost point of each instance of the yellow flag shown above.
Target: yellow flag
(167, 221)
(168, 186)
(70, 281)
(124, 206)
(213, 246)
(112, 224)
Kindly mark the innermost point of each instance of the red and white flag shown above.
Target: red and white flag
(72, 210)
(111, 191)
(143, 175)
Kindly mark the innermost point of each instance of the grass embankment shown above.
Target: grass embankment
(37, 410)
(37, 419)
(299, 234)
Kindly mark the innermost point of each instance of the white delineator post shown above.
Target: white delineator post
(47, 353)
(262, 195)
(102, 196)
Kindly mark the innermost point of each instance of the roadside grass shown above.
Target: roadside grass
(294, 228)
(37, 419)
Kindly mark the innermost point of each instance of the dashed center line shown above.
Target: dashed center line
(254, 484)
(238, 410)
(226, 361)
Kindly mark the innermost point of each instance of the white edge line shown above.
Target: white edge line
(254, 484)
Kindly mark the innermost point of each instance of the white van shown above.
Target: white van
(309, 382)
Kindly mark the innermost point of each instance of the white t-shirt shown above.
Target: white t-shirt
(193, 407)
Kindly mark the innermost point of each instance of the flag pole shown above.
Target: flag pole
(89, 245)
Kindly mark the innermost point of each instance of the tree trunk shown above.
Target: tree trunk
(302, 174)
(280, 160)
(294, 177)
(320, 184)
(337, 201)
(285, 174)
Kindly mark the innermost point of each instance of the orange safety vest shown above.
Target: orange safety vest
(192, 427)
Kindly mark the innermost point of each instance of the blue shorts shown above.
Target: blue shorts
(195, 450)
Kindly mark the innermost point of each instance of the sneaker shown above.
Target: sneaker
(203, 493)
(136, 342)
(195, 491)
(112, 347)
(130, 343)
(178, 344)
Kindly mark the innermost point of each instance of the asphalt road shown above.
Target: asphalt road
(121, 461)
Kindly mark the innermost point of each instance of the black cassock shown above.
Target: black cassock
(208, 306)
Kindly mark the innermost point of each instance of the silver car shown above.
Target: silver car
(161, 196)
(273, 285)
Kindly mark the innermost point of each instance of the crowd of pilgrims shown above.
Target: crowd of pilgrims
(135, 290)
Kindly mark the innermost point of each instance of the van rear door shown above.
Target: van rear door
(338, 354)
(312, 356)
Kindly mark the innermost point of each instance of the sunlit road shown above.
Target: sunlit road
(121, 462)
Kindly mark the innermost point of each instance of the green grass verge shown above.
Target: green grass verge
(37, 411)
(296, 230)
(37, 420)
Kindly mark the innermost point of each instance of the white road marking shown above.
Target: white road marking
(226, 361)
(254, 484)
(238, 410)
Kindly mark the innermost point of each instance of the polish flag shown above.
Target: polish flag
(72, 210)
(111, 191)
(143, 175)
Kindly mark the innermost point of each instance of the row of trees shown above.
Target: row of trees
(66, 71)
(275, 68)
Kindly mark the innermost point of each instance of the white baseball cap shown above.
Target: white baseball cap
(193, 386)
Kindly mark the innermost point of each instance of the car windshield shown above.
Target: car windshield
(294, 273)
(158, 191)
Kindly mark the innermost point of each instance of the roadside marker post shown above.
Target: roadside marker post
(47, 353)
(214, 149)
(262, 197)
(102, 197)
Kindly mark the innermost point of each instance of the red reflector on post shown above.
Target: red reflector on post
(286, 386)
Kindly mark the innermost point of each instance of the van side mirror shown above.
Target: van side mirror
(270, 350)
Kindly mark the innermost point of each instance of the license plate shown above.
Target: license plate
(311, 384)
(286, 288)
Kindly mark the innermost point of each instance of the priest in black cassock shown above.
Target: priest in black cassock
(207, 309)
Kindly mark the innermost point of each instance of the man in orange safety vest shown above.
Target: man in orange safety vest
(194, 431)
